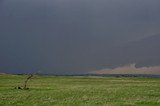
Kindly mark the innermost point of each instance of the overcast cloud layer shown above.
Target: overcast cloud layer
(75, 36)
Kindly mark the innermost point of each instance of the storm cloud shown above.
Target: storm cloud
(73, 36)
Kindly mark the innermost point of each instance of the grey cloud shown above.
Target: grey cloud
(73, 36)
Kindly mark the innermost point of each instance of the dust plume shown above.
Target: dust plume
(129, 69)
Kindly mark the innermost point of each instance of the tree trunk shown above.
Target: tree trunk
(25, 83)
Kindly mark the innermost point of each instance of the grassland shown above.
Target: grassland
(79, 91)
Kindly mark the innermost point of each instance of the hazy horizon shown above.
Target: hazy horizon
(78, 36)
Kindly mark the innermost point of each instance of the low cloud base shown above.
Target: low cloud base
(129, 69)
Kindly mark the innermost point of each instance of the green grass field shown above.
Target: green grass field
(79, 91)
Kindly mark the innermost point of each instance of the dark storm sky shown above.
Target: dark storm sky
(70, 36)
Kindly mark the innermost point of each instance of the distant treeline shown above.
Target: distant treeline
(106, 75)
(102, 75)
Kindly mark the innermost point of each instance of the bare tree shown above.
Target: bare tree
(26, 81)
(24, 87)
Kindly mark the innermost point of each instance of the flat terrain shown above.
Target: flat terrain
(79, 91)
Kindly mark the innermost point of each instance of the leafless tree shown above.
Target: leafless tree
(26, 81)
(24, 87)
